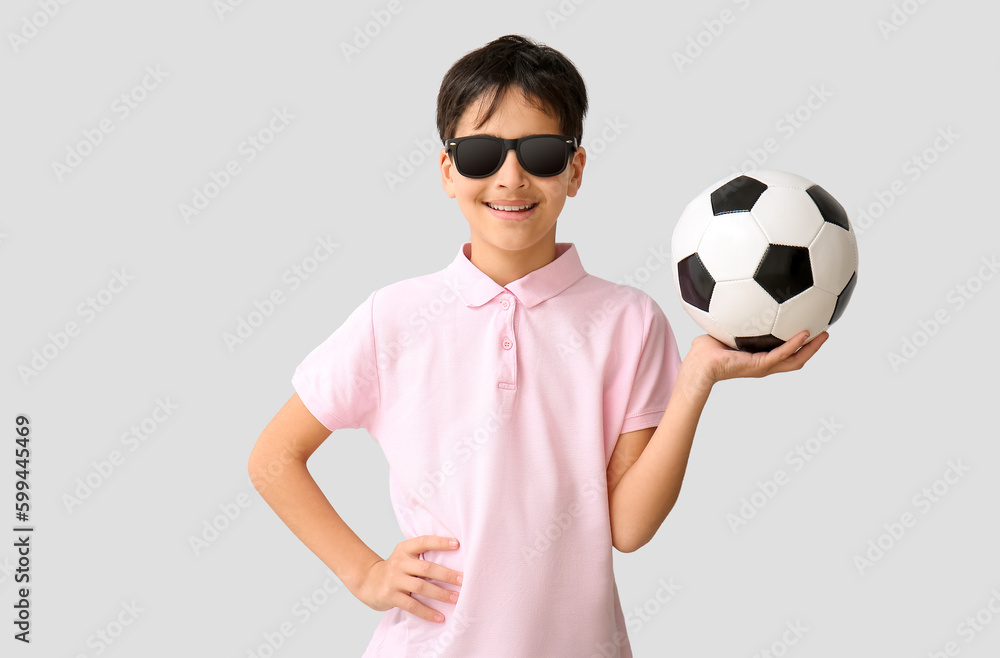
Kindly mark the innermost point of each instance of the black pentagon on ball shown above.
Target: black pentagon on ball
(696, 283)
(764, 343)
(843, 298)
(738, 195)
(829, 207)
(784, 271)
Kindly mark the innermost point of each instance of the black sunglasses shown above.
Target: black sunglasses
(481, 156)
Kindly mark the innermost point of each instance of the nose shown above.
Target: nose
(511, 174)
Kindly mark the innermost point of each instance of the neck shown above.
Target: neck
(504, 266)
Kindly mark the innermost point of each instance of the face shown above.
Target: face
(511, 185)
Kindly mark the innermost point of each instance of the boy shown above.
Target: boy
(526, 420)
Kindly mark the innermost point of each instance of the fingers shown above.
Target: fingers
(420, 570)
(426, 569)
(409, 604)
(794, 353)
(417, 585)
(425, 543)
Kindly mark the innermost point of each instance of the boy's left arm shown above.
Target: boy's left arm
(647, 466)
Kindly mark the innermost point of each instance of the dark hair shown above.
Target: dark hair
(547, 78)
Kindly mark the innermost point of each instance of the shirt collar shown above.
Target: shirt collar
(476, 288)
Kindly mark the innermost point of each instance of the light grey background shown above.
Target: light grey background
(679, 128)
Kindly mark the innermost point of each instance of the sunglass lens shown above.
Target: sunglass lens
(478, 157)
(544, 156)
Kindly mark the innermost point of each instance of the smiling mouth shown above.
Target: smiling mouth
(511, 208)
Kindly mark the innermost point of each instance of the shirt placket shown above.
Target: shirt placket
(507, 379)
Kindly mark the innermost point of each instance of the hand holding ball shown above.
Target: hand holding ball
(760, 256)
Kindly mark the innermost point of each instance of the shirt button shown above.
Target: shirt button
(504, 304)
(507, 344)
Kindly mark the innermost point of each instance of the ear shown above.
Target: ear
(576, 171)
(447, 173)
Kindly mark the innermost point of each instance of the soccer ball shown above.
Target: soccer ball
(760, 256)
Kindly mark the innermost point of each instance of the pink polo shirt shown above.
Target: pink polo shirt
(498, 409)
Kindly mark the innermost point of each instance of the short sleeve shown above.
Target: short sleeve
(338, 380)
(659, 361)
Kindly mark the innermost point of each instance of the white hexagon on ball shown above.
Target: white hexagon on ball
(787, 216)
(732, 246)
(743, 308)
(834, 256)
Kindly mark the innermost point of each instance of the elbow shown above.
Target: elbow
(626, 543)
(256, 468)
(624, 548)
(624, 533)
(267, 466)
(629, 540)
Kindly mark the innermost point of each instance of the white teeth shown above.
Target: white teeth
(509, 208)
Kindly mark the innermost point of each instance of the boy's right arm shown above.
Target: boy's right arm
(277, 469)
